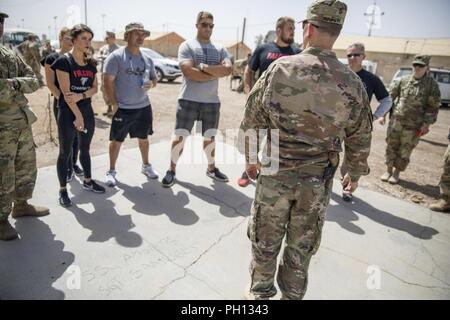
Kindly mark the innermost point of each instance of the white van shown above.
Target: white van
(442, 77)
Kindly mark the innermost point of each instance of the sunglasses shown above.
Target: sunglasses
(206, 25)
(306, 22)
(415, 65)
(356, 55)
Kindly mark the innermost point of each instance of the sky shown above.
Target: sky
(401, 18)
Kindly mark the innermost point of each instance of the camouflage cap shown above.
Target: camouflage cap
(135, 26)
(326, 11)
(422, 59)
(3, 15)
(110, 34)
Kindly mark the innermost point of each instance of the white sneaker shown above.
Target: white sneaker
(149, 171)
(111, 178)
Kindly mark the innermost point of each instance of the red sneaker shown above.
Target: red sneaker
(243, 182)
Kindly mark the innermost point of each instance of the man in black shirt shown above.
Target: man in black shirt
(262, 58)
(373, 85)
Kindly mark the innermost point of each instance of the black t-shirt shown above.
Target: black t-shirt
(373, 85)
(81, 77)
(50, 59)
(267, 53)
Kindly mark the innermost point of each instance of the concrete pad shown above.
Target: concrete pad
(141, 241)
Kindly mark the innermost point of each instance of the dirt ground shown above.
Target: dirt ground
(419, 183)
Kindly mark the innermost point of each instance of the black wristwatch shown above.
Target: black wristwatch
(84, 96)
(16, 84)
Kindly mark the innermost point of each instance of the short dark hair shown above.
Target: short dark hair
(281, 22)
(63, 32)
(204, 15)
(331, 29)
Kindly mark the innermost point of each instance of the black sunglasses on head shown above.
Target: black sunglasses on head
(206, 24)
(416, 65)
(351, 55)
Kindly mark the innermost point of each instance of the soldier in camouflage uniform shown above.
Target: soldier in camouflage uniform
(316, 104)
(443, 205)
(416, 104)
(30, 52)
(104, 52)
(17, 153)
(47, 50)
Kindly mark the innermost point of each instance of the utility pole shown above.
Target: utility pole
(49, 31)
(23, 23)
(103, 24)
(85, 13)
(56, 28)
(372, 17)
(243, 36)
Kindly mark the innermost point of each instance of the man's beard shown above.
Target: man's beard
(287, 40)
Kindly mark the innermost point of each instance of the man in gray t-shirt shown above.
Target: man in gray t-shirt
(129, 73)
(202, 63)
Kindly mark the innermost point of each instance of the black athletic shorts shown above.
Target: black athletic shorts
(136, 122)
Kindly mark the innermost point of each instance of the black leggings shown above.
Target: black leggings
(75, 149)
(67, 135)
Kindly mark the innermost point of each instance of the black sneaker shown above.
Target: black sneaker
(93, 186)
(217, 175)
(347, 197)
(69, 175)
(64, 199)
(78, 171)
(169, 179)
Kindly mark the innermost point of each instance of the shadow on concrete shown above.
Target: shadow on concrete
(104, 222)
(345, 213)
(428, 190)
(215, 196)
(153, 200)
(30, 265)
(434, 143)
(102, 124)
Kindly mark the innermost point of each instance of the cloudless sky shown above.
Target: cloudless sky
(402, 18)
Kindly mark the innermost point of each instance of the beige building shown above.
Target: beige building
(238, 50)
(392, 53)
(165, 43)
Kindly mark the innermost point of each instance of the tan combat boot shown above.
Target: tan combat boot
(441, 206)
(24, 209)
(248, 295)
(7, 232)
(385, 177)
(395, 177)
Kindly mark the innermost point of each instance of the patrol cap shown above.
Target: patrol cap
(110, 34)
(135, 26)
(322, 12)
(3, 15)
(422, 60)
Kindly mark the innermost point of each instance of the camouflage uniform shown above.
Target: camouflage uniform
(316, 103)
(417, 104)
(104, 52)
(32, 57)
(17, 149)
(445, 178)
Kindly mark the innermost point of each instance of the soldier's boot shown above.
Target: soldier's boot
(395, 177)
(7, 231)
(385, 177)
(440, 206)
(248, 295)
(23, 209)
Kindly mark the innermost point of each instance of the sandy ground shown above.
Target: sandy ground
(419, 183)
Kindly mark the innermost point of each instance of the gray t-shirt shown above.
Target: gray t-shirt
(211, 54)
(131, 71)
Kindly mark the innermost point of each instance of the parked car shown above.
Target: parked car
(165, 68)
(442, 76)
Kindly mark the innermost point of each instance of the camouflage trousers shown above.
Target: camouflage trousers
(289, 205)
(17, 165)
(105, 96)
(445, 178)
(401, 142)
